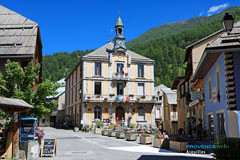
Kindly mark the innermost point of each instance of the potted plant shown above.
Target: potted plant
(138, 99)
(143, 97)
(98, 127)
(132, 125)
(88, 97)
(76, 129)
(111, 95)
(178, 144)
(131, 137)
(131, 95)
(160, 141)
(112, 133)
(98, 96)
(105, 99)
(120, 135)
(145, 138)
(39, 133)
(105, 132)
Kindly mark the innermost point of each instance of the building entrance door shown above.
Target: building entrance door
(120, 115)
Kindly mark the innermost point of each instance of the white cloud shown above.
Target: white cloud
(216, 8)
(200, 14)
(209, 15)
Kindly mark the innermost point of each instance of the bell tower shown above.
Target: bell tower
(119, 40)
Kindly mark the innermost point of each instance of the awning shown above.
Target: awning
(14, 105)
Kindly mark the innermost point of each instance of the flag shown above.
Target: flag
(122, 72)
(218, 97)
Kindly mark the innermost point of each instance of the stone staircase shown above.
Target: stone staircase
(230, 81)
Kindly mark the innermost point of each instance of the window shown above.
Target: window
(141, 114)
(160, 98)
(120, 67)
(97, 113)
(140, 89)
(218, 81)
(120, 89)
(141, 70)
(182, 89)
(98, 69)
(186, 87)
(210, 88)
(98, 87)
(76, 75)
(220, 124)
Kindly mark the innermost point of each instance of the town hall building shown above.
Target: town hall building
(111, 84)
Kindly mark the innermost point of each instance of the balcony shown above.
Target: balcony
(120, 98)
(120, 77)
(173, 116)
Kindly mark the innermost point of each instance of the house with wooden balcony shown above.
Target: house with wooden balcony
(219, 69)
(20, 40)
(111, 84)
(170, 111)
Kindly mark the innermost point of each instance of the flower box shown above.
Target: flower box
(138, 99)
(143, 97)
(120, 135)
(178, 146)
(161, 143)
(97, 131)
(131, 95)
(88, 97)
(105, 132)
(111, 134)
(76, 129)
(131, 137)
(105, 99)
(145, 140)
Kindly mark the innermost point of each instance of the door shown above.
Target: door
(119, 115)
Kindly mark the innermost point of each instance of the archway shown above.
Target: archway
(120, 114)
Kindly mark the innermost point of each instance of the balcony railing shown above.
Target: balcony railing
(119, 98)
(174, 116)
(120, 77)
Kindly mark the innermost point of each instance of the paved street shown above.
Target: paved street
(87, 146)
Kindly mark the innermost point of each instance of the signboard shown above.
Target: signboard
(194, 103)
(48, 147)
(27, 129)
(196, 95)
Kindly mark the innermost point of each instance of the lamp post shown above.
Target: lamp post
(227, 22)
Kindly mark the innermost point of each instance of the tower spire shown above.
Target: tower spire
(119, 40)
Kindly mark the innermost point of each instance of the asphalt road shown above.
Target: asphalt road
(87, 146)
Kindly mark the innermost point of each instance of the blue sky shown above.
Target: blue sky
(68, 25)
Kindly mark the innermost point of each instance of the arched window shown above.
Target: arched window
(141, 113)
(98, 113)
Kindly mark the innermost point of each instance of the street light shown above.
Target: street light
(227, 22)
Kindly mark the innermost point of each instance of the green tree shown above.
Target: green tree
(18, 82)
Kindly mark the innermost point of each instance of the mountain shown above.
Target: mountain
(165, 44)
(168, 49)
(176, 27)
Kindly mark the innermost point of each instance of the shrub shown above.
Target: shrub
(99, 124)
(178, 139)
(132, 125)
(159, 136)
(228, 149)
(145, 135)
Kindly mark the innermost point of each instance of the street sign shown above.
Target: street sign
(48, 147)
(194, 103)
(196, 95)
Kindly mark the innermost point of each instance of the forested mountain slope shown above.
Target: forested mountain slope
(165, 44)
